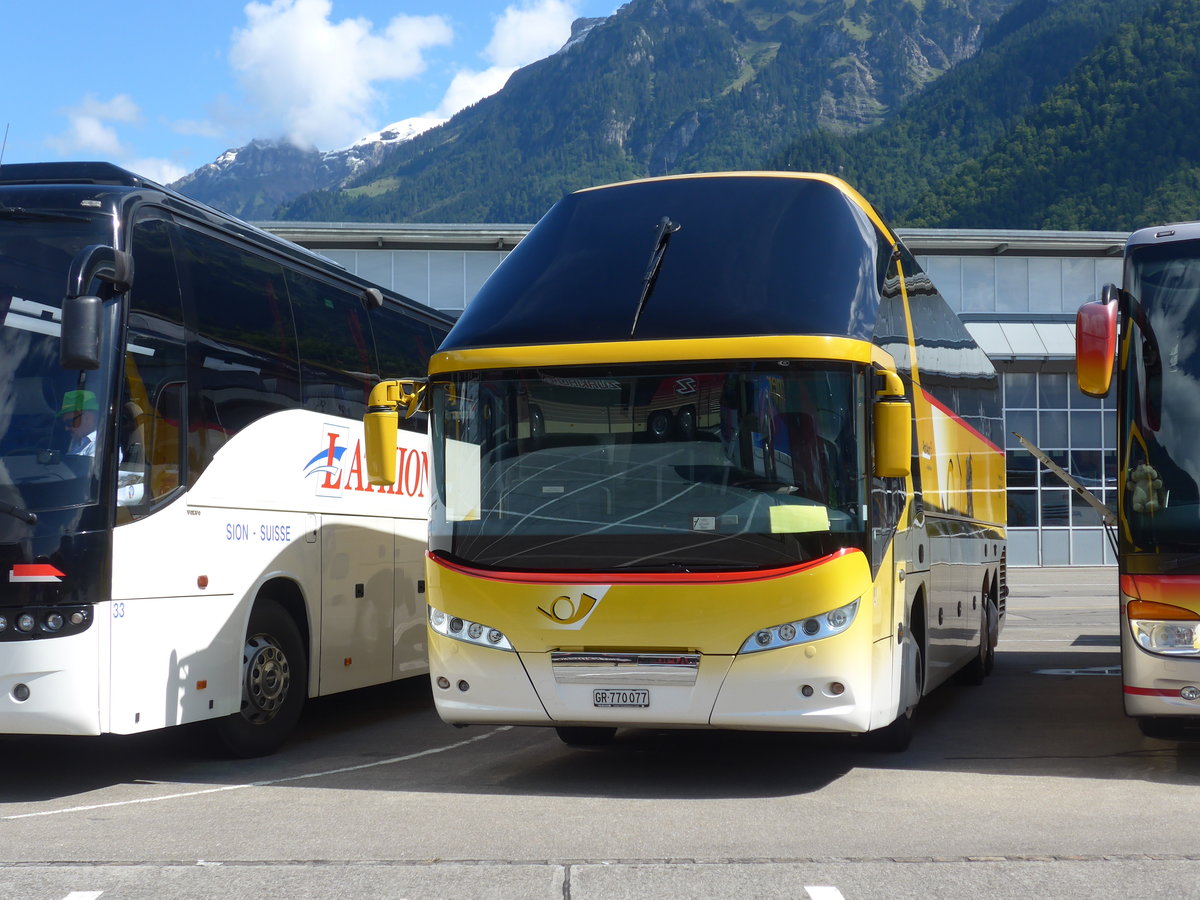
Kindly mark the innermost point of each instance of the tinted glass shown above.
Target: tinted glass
(245, 354)
(152, 415)
(1162, 468)
(53, 422)
(659, 470)
(337, 356)
(752, 255)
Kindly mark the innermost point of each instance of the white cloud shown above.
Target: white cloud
(522, 35)
(161, 170)
(525, 34)
(313, 79)
(90, 129)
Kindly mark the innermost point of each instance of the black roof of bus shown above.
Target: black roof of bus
(754, 254)
(117, 186)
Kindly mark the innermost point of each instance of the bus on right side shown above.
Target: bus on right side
(1145, 336)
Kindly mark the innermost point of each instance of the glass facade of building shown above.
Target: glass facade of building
(1017, 292)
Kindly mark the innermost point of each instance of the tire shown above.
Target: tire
(981, 665)
(686, 423)
(1165, 728)
(585, 735)
(896, 736)
(658, 426)
(274, 684)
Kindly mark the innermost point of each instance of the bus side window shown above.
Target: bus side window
(405, 345)
(337, 361)
(244, 362)
(148, 431)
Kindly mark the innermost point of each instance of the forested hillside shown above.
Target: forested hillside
(1076, 115)
(1058, 114)
(666, 86)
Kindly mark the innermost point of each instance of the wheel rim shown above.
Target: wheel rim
(266, 680)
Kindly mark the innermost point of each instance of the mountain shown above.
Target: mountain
(665, 86)
(252, 182)
(1058, 114)
(660, 86)
(1074, 115)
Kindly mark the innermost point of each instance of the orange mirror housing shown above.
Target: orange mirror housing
(1096, 343)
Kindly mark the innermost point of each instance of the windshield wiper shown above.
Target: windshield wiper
(666, 228)
(39, 215)
(29, 518)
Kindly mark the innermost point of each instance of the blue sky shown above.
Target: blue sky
(164, 88)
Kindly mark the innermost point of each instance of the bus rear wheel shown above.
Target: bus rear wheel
(274, 683)
(585, 735)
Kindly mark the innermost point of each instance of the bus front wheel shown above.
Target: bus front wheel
(585, 736)
(274, 683)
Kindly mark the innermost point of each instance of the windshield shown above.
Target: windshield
(660, 469)
(1162, 399)
(51, 420)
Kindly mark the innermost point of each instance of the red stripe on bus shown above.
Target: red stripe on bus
(934, 401)
(1150, 692)
(640, 577)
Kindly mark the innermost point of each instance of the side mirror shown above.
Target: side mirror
(79, 338)
(1096, 342)
(99, 261)
(893, 429)
(381, 424)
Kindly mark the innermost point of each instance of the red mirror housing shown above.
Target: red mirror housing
(1096, 344)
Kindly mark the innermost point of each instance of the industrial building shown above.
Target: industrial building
(1016, 292)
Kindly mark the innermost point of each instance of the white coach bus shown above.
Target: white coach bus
(187, 531)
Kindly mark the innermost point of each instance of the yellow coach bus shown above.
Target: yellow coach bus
(709, 451)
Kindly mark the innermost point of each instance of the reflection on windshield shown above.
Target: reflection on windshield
(51, 420)
(571, 469)
(1162, 473)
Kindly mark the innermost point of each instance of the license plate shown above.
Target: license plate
(618, 697)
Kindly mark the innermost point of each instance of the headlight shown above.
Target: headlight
(1165, 629)
(467, 631)
(802, 631)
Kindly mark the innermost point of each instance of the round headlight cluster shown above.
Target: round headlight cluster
(467, 631)
(43, 622)
(802, 631)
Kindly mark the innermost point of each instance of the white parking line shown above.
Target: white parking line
(83, 895)
(266, 783)
(822, 892)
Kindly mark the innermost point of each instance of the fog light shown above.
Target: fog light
(495, 637)
(3, 623)
(837, 688)
(464, 686)
(20, 692)
(812, 626)
(443, 682)
(77, 618)
(807, 690)
(763, 638)
(53, 622)
(838, 618)
(25, 622)
(1191, 692)
(456, 625)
